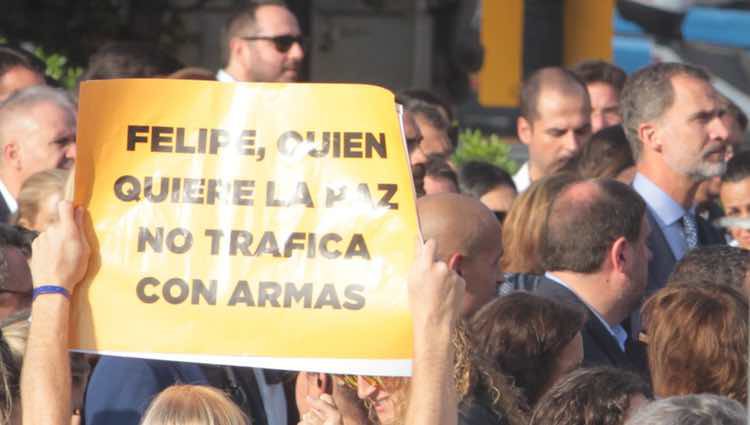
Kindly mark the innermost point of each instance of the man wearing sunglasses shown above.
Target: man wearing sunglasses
(264, 44)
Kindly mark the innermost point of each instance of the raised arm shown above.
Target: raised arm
(59, 258)
(435, 297)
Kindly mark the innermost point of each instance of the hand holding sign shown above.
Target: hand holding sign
(61, 253)
(246, 224)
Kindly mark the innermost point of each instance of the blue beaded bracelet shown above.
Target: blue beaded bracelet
(49, 289)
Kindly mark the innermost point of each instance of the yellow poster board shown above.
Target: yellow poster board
(268, 225)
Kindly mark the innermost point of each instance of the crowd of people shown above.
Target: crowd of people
(606, 282)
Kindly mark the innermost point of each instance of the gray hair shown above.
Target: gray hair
(648, 94)
(20, 101)
(701, 409)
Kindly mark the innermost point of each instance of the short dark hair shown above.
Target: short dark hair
(554, 77)
(437, 166)
(599, 395)
(477, 178)
(523, 335)
(649, 93)
(11, 58)
(579, 232)
(426, 103)
(16, 237)
(606, 154)
(597, 71)
(738, 168)
(713, 265)
(243, 18)
(124, 59)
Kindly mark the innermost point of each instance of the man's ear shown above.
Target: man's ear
(324, 384)
(455, 263)
(10, 154)
(620, 255)
(523, 128)
(650, 138)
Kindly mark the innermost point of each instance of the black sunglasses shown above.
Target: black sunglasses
(282, 42)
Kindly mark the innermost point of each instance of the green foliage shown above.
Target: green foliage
(58, 68)
(475, 146)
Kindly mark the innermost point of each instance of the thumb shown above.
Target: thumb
(65, 211)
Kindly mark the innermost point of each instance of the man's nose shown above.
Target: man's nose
(296, 52)
(719, 130)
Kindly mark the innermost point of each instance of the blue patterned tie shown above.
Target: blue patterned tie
(690, 227)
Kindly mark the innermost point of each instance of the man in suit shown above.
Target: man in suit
(263, 43)
(672, 116)
(37, 133)
(596, 257)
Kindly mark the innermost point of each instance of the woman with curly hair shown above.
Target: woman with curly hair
(532, 339)
(485, 396)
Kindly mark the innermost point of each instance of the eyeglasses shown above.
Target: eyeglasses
(382, 382)
(282, 43)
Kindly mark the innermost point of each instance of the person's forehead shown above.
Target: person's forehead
(732, 192)
(52, 116)
(693, 93)
(556, 107)
(600, 89)
(276, 20)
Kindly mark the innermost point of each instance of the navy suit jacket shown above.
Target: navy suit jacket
(120, 388)
(600, 348)
(662, 260)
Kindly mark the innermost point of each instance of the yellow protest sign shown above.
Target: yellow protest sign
(270, 225)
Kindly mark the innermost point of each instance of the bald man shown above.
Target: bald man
(468, 240)
(555, 120)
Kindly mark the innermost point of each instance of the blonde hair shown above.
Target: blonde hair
(193, 405)
(524, 224)
(35, 190)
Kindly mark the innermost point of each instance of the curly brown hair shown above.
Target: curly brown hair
(523, 335)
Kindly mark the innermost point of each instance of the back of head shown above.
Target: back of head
(439, 172)
(697, 340)
(35, 191)
(696, 409)
(606, 154)
(738, 168)
(477, 178)
(597, 71)
(523, 226)
(596, 396)
(715, 264)
(648, 94)
(468, 240)
(459, 223)
(545, 80)
(129, 60)
(523, 335)
(11, 58)
(583, 222)
(193, 405)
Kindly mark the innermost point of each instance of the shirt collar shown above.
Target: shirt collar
(617, 331)
(224, 77)
(521, 179)
(664, 208)
(9, 200)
